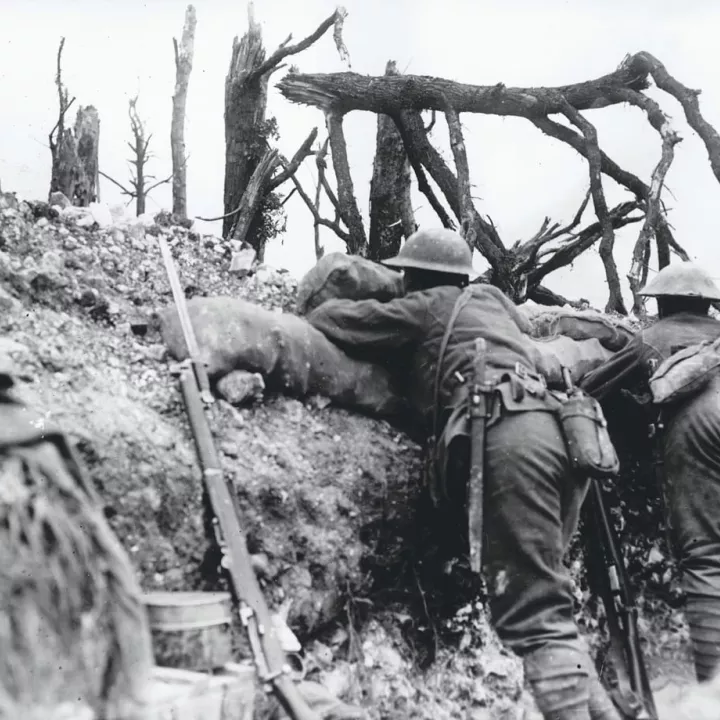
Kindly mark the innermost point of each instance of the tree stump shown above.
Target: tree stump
(75, 162)
(391, 214)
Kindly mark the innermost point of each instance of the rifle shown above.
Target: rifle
(270, 661)
(607, 578)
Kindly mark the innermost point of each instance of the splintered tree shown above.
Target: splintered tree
(74, 151)
(521, 269)
(183, 68)
(253, 169)
(140, 182)
(391, 213)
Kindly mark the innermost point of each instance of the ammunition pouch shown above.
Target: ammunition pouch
(590, 449)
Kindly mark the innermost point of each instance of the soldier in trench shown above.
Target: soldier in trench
(532, 499)
(689, 444)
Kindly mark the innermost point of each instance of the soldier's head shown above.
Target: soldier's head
(434, 257)
(682, 287)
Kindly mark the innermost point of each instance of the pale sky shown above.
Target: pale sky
(113, 49)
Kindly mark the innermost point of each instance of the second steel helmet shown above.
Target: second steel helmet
(437, 249)
(683, 279)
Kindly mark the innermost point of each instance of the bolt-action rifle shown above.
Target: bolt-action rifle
(608, 580)
(270, 660)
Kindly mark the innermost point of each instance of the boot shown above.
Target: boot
(703, 616)
(559, 680)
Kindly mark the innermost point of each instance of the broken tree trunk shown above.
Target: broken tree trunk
(245, 110)
(75, 161)
(183, 68)
(391, 214)
(254, 195)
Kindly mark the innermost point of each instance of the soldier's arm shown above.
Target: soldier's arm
(623, 369)
(371, 324)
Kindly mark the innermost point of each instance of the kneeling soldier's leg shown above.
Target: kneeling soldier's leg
(531, 510)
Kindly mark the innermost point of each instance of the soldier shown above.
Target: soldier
(531, 498)
(689, 446)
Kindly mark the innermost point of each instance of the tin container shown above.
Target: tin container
(190, 630)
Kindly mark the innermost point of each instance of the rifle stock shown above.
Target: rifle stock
(269, 656)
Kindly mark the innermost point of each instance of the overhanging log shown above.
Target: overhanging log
(344, 92)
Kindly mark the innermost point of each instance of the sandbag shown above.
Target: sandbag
(579, 325)
(579, 356)
(685, 373)
(292, 356)
(350, 277)
(73, 628)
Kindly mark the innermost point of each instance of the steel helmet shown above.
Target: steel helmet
(437, 249)
(683, 279)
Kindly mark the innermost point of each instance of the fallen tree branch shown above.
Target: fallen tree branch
(665, 238)
(344, 92)
(255, 193)
(637, 276)
(487, 239)
(615, 301)
(348, 207)
(688, 99)
(292, 167)
(286, 50)
(544, 296)
(417, 166)
(457, 145)
(316, 215)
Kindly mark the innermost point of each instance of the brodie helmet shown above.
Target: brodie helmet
(683, 279)
(437, 249)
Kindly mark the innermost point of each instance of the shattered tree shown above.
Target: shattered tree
(140, 181)
(391, 213)
(183, 67)
(254, 170)
(74, 151)
(521, 269)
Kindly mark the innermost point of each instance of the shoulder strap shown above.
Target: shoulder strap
(459, 304)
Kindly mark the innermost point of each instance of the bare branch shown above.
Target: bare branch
(585, 239)
(285, 50)
(346, 193)
(158, 183)
(288, 196)
(688, 99)
(615, 302)
(303, 151)
(320, 220)
(115, 182)
(416, 163)
(653, 214)
(457, 144)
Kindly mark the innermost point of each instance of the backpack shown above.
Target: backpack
(685, 373)
(73, 628)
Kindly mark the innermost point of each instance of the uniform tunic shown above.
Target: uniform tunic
(531, 499)
(691, 456)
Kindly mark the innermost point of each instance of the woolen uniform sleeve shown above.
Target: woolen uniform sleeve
(371, 324)
(623, 369)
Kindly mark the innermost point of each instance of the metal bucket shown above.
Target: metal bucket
(190, 630)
